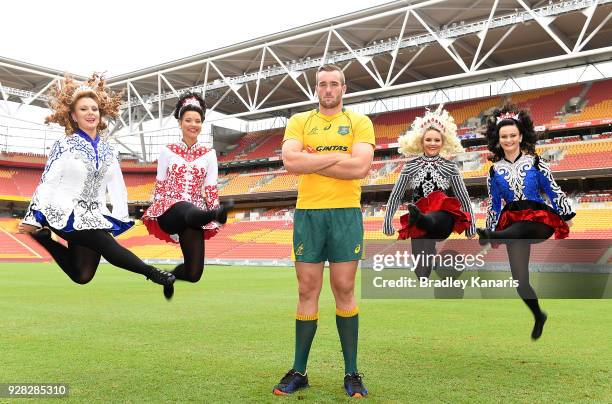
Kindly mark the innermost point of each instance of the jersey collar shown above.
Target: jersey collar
(329, 118)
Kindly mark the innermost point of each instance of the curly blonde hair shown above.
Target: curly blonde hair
(411, 142)
(64, 96)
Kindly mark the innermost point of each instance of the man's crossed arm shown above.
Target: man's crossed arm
(335, 165)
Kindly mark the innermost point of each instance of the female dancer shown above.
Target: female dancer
(71, 197)
(517, 177)
(442, 204)
(186, 202)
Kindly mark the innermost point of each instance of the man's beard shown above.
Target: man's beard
(329, 104)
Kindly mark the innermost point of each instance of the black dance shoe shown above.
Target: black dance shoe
(160, 277)
(538, 327)
(484, 236)
(222, 211)
(42, 234)
(169, 291)
(415, 213)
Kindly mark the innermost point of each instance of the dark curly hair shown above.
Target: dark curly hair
(523, 123)
(180, 108)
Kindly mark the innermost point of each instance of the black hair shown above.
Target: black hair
(180, 110)
(523, 123)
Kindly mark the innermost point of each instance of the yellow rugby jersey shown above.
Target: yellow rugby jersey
(337, 133)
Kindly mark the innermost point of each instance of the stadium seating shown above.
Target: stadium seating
(388, 126)
(240, 184)
(463, 111)
(139, 186)
(30, 158)
(585, 155)
(546, 103)
(598, 103)
(20, 182)
(7, 185)
(265, 233)
(245, 144)
(128, 163)
(481, 167)
(269, 147)
(280, 182)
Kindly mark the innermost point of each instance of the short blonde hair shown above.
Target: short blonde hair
(411, 142)
(331, 68)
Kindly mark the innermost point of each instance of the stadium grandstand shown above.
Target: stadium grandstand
(400, 58)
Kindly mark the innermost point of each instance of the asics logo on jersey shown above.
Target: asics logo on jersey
(332, 148)
(327, 127)
(358, 248)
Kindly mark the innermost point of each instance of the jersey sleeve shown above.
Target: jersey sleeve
(364, 131)
(294, 129)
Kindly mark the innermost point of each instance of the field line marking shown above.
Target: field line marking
(21, 243)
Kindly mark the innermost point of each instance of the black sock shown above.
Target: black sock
(534, 306)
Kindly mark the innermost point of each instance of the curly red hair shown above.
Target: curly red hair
(64, 96)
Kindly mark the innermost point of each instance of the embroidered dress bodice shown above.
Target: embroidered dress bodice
(185, 174)
(72, 193)
(424, 175)
(525, 179)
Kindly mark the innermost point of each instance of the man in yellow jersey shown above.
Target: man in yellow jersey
(331, 148)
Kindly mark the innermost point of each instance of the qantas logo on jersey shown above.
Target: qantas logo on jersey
(332, 148)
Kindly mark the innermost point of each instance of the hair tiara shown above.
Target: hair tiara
(506, 116)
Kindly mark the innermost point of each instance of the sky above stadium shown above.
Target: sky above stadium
(119, 36)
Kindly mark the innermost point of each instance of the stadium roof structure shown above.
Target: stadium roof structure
(398, 48)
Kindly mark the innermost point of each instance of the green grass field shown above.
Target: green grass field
(229, 338)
